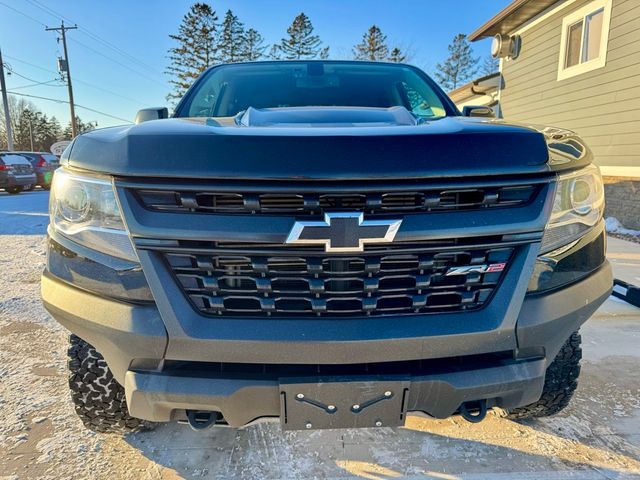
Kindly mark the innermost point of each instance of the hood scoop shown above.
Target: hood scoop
(326, 117)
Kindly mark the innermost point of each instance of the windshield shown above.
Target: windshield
(228, 90)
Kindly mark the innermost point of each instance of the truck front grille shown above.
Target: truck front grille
(280, 283)
(381, 202)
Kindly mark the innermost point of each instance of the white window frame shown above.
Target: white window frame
(581, 14)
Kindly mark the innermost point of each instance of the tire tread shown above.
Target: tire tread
(99, 400)
(560, 383)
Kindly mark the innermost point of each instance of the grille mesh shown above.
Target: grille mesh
(317, 203)
(279, 284)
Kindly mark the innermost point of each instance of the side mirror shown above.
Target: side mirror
(156, 113)
(478, 111)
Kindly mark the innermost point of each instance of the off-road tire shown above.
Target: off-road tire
(560, 382)
(99, 400)
(14, 190)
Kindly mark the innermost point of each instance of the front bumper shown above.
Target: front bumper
(134, 342)
(161, 397)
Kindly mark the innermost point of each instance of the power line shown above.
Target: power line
(120, 51)
(22, 13)
(15, 59)
(102, 113)
(77, 80)
(146, 76)
(91, 35)
(57, 100)
(49, 11)
(13, 72)
(95, 37)
(112, 93)
(37, 84)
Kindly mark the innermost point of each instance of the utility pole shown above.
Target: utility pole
(5, 104)
(31, 134)
(64, 67)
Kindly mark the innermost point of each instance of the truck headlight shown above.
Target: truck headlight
(84, 210)
(578, 206)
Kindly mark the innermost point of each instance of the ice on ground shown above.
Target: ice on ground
(613, 225)
(24, 214)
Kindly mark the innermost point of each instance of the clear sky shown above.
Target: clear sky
(126, 73)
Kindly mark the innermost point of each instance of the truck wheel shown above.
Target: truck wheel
(560, 382)
(99, 400)
(13, 190)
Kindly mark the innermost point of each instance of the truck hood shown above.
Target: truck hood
(308, 147)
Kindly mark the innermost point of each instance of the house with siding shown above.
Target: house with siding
(576, 64)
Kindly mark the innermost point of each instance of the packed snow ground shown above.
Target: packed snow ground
(597, 437)
(613, 225)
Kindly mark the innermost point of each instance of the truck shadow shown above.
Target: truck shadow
(424, 448)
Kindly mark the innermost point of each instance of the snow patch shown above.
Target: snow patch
(613, 225)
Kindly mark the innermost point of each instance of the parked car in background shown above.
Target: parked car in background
(16, 173)
(44, 164)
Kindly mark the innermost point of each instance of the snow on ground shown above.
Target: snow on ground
(613, 225)
(597, 437)
(25, 213)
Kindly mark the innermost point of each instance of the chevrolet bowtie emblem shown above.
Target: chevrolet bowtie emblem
(343, 232)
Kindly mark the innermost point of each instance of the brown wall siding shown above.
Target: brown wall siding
(602, 105)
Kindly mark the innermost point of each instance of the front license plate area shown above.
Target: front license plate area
(332, 403)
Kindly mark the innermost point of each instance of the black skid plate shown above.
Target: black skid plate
(338, 403)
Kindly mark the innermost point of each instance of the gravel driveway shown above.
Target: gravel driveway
(597, 437)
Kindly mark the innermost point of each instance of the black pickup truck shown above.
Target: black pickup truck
(327, 243)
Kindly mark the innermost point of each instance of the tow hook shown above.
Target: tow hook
(199, 420)
(475, 411)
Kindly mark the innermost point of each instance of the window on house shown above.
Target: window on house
(592, 35)
(585, 34)
(583, 39)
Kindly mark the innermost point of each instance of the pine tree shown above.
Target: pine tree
(397, 56)
(47, 131)
(34, 131)
(253, 46)
(460, 66)
(81, 126)
(489, 65)
(196, 50)
(230, 46)
(56, 129)
(301, 44)
(373, 46)
(25, 128)
(275, 53)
